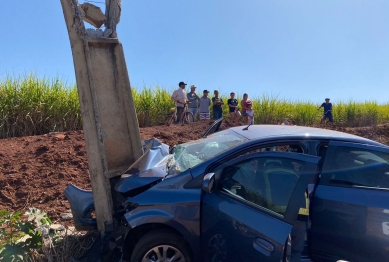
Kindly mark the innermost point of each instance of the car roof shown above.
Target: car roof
(255, 132)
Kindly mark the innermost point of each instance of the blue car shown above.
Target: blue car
(237, 195)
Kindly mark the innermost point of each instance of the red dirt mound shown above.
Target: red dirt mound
(35, 170)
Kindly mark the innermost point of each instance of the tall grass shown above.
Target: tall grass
(269, 109)
(151, 105)
(31, 106)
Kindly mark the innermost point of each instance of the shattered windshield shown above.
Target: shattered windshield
(196, 152)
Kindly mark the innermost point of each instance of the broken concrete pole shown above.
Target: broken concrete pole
(98, 33)
(109, 118)
(113, 9)
(93, 15)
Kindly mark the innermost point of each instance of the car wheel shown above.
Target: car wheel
(161, 245)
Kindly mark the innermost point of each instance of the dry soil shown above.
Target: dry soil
(35, 170)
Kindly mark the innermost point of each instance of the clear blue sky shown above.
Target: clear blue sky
(299, 50)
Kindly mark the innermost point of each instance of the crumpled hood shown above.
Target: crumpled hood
(149, 169)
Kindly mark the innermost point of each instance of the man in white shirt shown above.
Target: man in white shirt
(179, 97)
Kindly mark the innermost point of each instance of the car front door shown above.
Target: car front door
(350, 207)
(213, 128)
(250, 214)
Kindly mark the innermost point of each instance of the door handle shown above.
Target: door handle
(263, 246)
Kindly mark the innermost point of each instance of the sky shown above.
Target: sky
(295, 50)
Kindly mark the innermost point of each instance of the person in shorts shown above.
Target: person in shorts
(217, 106)
(233, 107)
(327, 111)
(244, 103)
(193, 99)
(250, 114)
(204, 104)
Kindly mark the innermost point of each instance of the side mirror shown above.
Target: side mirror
(208, 182)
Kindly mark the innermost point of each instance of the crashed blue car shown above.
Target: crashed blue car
(232, 196)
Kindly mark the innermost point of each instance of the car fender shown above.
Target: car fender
(147, 216)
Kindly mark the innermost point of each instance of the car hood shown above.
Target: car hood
(149, 169)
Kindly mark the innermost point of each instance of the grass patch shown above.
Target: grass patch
(33, 106)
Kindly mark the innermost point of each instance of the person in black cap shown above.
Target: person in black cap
(204, 103)
(179, 97)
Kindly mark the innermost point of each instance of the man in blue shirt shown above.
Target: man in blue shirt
(327, 111)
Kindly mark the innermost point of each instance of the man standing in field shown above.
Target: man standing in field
(204, 104)
(217, 106)
(327, 111)
(194, 100)
(179, 97)
(233, 106)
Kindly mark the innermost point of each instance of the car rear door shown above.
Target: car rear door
(250, 215)
(350, 207)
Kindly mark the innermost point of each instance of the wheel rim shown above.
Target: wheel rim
(217, 248)
(163, 253)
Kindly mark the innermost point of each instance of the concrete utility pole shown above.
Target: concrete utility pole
(108, 112)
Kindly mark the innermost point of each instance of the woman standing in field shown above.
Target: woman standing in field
(244, 103)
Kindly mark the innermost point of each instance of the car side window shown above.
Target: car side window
(267, 182)
(357, 167)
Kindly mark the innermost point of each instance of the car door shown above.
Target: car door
(350, 207)
(213, 128)
(250, 214)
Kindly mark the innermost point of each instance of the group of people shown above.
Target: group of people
(202, 106)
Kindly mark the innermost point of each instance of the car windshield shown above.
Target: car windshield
(196, 152)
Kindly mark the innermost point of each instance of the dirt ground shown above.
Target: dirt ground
(35, 170)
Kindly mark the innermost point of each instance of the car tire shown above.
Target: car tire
(161, 242)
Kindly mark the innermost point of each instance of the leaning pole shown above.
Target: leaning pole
(108, 112)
